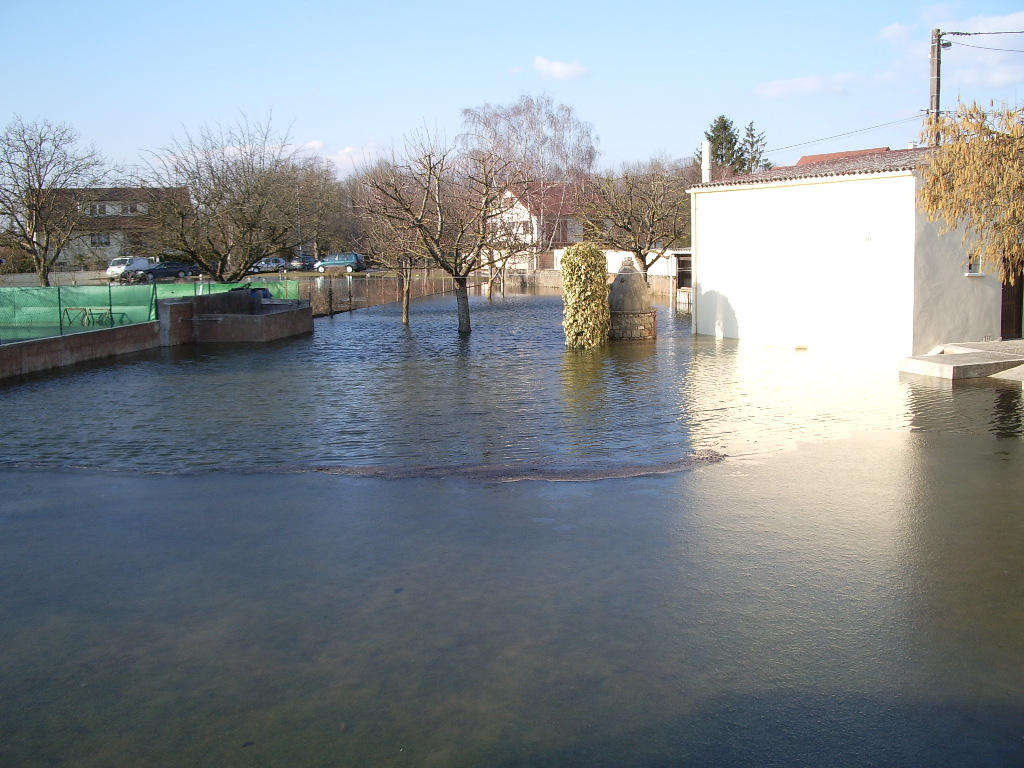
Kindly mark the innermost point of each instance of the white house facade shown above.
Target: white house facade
(834, 255)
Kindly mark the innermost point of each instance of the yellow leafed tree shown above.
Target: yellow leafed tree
(974, 178)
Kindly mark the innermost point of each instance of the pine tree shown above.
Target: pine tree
(725, 144)
(752, 151)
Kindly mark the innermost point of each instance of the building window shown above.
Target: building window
(527, 227)
(508, 202)
(100, 240)
(98, 209)
(973, 266)
(684, 268)
(128, 209)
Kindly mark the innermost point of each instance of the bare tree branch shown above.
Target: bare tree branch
(46, 184)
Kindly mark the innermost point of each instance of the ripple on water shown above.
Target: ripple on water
(366, 394)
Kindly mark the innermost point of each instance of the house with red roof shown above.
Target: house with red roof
(833, 254)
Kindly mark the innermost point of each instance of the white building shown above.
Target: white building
(833, 254)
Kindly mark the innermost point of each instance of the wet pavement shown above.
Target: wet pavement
(237, 557)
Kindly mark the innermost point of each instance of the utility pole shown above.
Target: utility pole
(936, 83)
(936, 56)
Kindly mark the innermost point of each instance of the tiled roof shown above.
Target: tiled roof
(806, 159)
(552, 200)
(838, 164)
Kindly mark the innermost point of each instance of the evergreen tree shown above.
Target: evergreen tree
(726, 149)
(730, 152)
(752, 151)
(585, 285)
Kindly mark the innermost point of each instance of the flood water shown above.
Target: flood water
(382, 545)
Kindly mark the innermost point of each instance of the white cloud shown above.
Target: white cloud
(833, 85)
(971, 60)
(896, 33)
(559, 70)
(347, 159)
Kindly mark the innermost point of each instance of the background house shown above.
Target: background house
(833, 254)
(545, 216)
(118, 221)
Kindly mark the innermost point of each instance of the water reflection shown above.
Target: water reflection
(847, 602)
(365, 391)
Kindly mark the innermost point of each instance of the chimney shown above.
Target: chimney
(705, 163)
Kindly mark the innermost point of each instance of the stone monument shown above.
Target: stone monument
(633, 317)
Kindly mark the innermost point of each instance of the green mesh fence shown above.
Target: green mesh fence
(279, 289)
(38, 313)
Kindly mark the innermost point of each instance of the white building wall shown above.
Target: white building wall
(826, 264)
(951, 305)
(663, 266)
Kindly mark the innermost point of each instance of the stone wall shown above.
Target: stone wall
(634, 326)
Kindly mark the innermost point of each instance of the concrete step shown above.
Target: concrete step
(960, 361)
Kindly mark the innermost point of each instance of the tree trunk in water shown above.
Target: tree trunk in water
(494, 277)
(462, 299)
(406, 290)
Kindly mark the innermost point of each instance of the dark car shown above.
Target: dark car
(269, 264)
(302, 263)
(166, 269)
(350, 262)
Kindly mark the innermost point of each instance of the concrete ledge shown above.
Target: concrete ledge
(43, 354)
(178, 324)
(276, 322)
(961, 365)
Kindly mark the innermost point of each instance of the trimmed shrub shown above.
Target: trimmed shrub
(585, 289)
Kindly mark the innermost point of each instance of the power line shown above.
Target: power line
(842, 135)
(983, 33)
(985, 47)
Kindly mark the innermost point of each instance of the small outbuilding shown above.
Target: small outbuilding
(833, 254)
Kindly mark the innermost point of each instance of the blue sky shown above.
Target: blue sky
(350, 79)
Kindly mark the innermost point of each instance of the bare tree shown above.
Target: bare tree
(445, 205)
(321, 204)
(552, 150)
(387, 240)
(245, 189)
(46, 184)
(643, 209)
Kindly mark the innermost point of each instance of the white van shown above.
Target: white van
(126, 264)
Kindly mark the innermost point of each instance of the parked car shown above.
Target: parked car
(165, 269)
(269, 264)
(302, 263)
(350, 262)
(126, 264)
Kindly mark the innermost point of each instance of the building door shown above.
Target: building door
(1013, 309)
